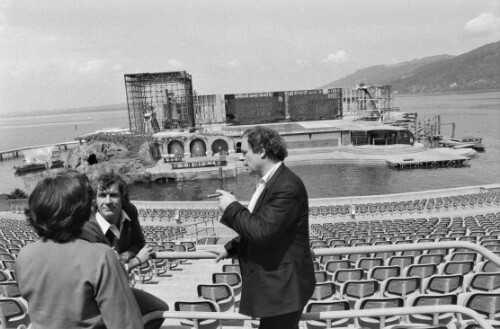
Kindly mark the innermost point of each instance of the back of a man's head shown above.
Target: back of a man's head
(267, 139)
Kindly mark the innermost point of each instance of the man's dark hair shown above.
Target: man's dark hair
(104, 182)
(59, 206)
(267, 139)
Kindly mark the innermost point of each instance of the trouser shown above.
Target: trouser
(284, 321)
(149, 303)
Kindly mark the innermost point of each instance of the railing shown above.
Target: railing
(207, 254)
(195, 316)
(210, 254)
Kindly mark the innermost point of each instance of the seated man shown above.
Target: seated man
(114, 221)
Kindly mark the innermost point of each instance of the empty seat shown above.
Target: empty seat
(381, 273)
(366, 263)
(334, 265)
(378, 322)
(220, 293)
(343, 275)
(401, 287)
(323, 291)
(400, 261)
(15, 313)
(443, 284)
(321, 276)
(429, 259)
(198, 306)
(487, 304)
(431, 300)
(231, 268)
(459, 267)
(326, 306)
(354, 290)
(482, 282)
(233, 279)
(420, 270)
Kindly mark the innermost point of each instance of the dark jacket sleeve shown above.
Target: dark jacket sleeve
(92, 232)
(271, 220)
(137, 240)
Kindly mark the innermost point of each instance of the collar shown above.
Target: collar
(270, 173)
(105, 225)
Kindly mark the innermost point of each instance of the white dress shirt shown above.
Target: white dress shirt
(261, 185)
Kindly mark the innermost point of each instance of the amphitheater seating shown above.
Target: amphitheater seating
(429, 277)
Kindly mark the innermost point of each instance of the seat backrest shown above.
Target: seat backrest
(215, 292)
(458, 267)
(334, 265)
(381, 273)
(401, 261)
(437, 299)
(4, 276)
(323, 290)
(327, 306)
(444, 284)
(485, 303)
(459, 256)
(231, 278)
(366, 263)
(9, 289)
(420, 270)
(343, 275)
(401, 286)
(430, 259)
(484, 282)
(489, 266)
(357, 289)
(231, 268)
(11, 308)
(321, 276)
(196, 306)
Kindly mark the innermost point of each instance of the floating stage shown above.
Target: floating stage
(431, 159)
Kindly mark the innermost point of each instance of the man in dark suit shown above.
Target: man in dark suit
(273, 235)
(114, 221)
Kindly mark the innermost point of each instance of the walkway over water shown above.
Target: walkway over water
(16, 152)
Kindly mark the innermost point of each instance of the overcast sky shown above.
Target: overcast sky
(66, 53)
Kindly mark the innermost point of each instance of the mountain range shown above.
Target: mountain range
(478, 69)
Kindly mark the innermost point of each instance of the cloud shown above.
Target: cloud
(338, 57)
(175, 63)
(234, 63)
(92, 66)
(484, 24)
(4, 7)
(302, 62)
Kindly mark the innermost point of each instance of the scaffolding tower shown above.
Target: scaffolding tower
(157, 100)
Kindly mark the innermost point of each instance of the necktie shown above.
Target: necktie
(111, 237)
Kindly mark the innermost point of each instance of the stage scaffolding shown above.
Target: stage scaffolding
(159, 100)
(364, 99)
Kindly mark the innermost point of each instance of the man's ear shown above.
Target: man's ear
(262, 154)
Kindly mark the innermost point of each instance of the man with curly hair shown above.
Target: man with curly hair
(273, 235)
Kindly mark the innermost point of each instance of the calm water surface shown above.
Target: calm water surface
(476, 114)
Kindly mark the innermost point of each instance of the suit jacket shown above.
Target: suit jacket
(131, 237)
(273, 247)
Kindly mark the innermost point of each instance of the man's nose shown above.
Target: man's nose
(107, 199)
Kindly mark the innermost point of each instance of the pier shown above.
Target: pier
(16, 152)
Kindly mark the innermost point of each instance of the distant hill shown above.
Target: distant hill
(478, 69)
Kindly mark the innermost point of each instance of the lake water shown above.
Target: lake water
(475, 113)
